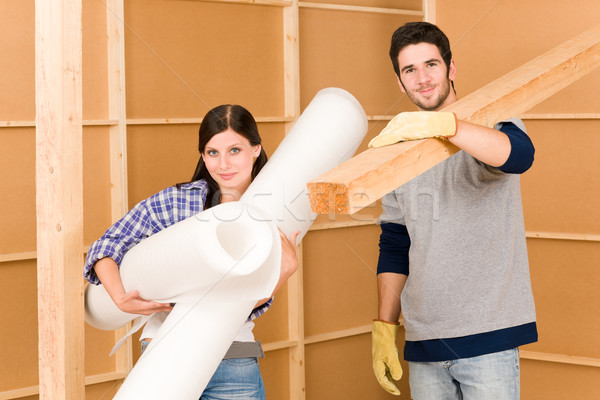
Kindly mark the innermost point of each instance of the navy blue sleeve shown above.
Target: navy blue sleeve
(394, 244)
(521, 150)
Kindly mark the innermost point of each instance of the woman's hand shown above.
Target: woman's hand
(289, 260)
(132, 303)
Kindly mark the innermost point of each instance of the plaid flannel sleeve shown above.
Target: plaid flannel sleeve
(260, 310)
(118, 239)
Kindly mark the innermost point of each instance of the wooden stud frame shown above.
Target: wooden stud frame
(118, 123)
(59, 198)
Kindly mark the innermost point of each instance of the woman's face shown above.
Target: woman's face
(229, 158)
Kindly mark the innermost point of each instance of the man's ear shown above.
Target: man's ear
(400, 84)
(452, 70)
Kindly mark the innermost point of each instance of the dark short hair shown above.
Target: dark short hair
(419, 32)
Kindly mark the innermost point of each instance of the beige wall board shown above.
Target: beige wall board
(17, 163)
(342, 369)
(98, 345)
(273, 325)
(95, 64)
(565, 282)
(158, 157)
(96, 183)
(579, 98)
(17, 64)
(102, 391)
(542, 380)
(275, 372)
(340, 278)
(414, 5)
(564, 179)
(184, 57)
(18, 331)
(349, 50)
(272, 134)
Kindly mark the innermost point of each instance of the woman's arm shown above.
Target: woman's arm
(107, 271)
(289, 262)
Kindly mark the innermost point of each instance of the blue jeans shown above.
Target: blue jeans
(235, 378)
(489, 377)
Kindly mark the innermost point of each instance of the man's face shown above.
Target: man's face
(424, 76)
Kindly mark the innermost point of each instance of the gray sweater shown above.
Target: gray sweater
(469, 272)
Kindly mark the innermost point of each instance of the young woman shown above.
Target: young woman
(231, 156)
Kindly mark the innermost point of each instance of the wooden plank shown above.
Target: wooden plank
(369, 176)
(297, 362)
(363, 9)
(34, 390)
(560, 358)
(115, 31)
(429, 11)
(59, 198)
(295, 291)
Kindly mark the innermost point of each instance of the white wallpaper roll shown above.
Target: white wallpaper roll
(326, 134)
(216, 265)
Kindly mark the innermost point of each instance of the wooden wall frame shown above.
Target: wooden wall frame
(117, 122)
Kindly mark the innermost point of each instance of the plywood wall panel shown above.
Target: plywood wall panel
(159, 156)
(340, 268)
(185, 57)
(542, 381)
(273, 325)
(342, 369)
(98, 345)
(560, 188)
(94, 53)
(17, 214)
(350, 50)
(275, 372)
(17, 64)
(18, 331)
(96, 183)
(565, 283)
(102, 391)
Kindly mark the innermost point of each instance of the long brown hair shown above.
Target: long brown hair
(214, 122)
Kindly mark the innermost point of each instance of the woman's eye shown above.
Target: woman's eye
(211, 153)
(235, 150)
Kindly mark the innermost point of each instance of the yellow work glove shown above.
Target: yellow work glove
(386, 364)
(416, 125)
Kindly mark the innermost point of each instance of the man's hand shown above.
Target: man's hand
(386, 364)
(416, 125)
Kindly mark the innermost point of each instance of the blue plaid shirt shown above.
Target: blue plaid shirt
(148, 217)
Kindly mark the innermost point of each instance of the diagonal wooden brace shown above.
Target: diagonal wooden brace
(371, 174)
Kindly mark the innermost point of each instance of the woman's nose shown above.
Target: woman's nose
(224, 162)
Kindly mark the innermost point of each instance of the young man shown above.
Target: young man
(452, 247)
